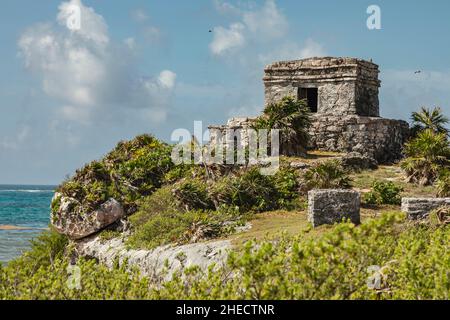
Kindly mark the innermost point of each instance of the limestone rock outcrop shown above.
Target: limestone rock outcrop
(77, 225)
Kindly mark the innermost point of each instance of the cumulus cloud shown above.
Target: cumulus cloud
(84, 71)
(167, 79)
(226, 40)
(262, 29)
(268, 21)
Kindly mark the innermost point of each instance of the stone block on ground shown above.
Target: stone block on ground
(329, 206)
(419, 208)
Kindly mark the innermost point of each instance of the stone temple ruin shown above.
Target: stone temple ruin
(342, 94)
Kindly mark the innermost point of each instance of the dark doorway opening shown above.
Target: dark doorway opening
(311, 97)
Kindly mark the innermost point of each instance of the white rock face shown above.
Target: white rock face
(152, 263)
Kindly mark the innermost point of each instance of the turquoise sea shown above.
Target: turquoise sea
(24, 213)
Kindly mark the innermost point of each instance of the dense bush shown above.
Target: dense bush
(326, 175)
(134, 169)
(292, 118)
(443, 183)
(384, 193)
(412, 262)
(248, 191)
(180, 227)
(193, 194)
(427, 154)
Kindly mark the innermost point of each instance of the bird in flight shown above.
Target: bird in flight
(417, 72)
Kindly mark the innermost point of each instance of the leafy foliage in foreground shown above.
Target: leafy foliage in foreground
(413, 258)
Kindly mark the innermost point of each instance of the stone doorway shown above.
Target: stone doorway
(311, 97)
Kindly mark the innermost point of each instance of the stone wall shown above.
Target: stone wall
(345, 85)
(379, 138)
(418, 208)
(333, 205)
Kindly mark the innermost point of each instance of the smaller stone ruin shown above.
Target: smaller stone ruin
(332, 206)
(419, 208)
(342, 94)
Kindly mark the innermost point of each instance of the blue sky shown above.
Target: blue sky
(67, 97)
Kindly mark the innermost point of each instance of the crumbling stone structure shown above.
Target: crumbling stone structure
(342, 94)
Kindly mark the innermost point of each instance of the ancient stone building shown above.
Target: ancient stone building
(342, 94)
(330, 85)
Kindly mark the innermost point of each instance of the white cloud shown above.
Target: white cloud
(83, 71)
(139, 15)
(167, 79)
(130, 43)
(267, 21)
(226, 40)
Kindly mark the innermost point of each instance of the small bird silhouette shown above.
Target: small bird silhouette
(210, 30)
(418, 71)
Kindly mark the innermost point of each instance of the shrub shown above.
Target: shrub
(292, 118)
(384, 193)
(162, 200)
(193, 194)
(286, 182)
(412, 263)
(326, 175)
(426, 155)
(443, 184)
(183, 227)
(248, 190)
(134, 169)
(427, 119)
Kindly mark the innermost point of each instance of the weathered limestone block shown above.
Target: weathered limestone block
(77, 225)
(419, 208)
(328, 206)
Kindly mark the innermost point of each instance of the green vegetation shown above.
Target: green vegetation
(326, 175)
(427, 154)
(384, 193)
(199, 208)
(292, 118)
(427, 119)
(413, 261)
(443, 183)
(132, 170)
(178, 204)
